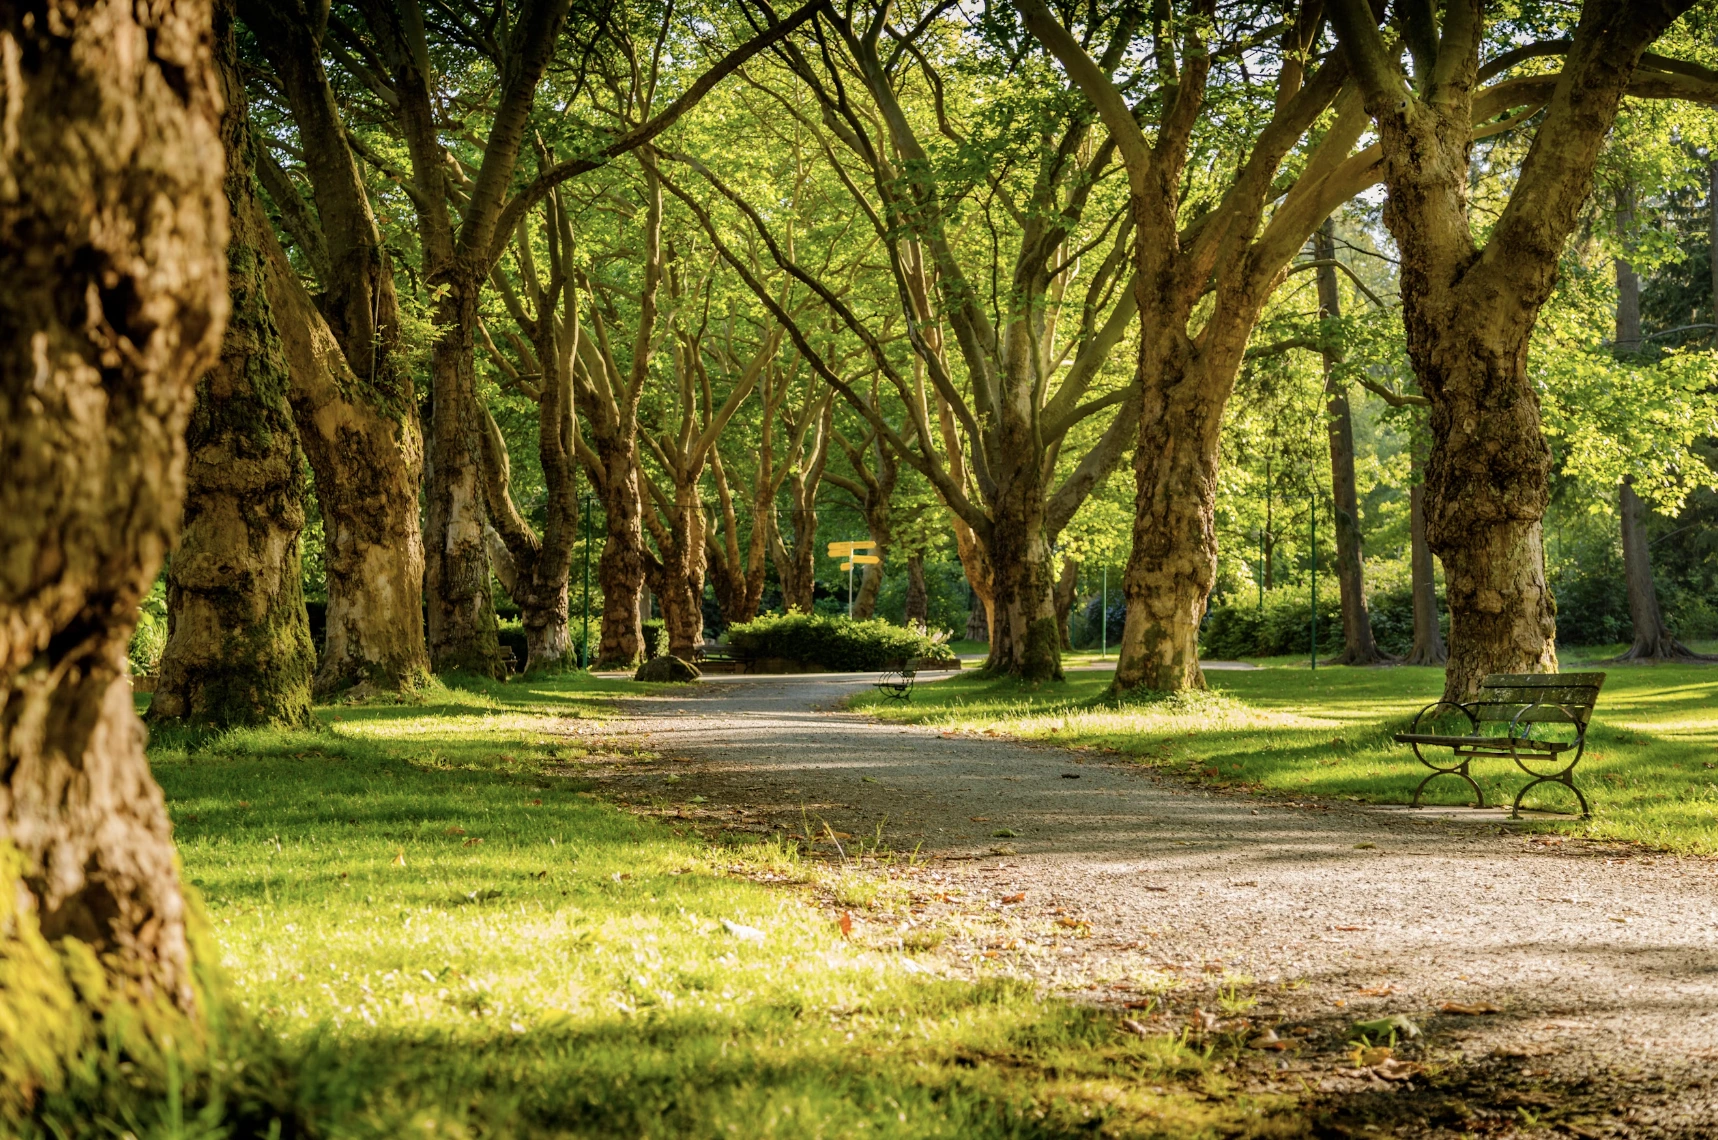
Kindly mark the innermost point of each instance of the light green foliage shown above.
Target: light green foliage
(149, 639)
(1282, 731)
(445, 933)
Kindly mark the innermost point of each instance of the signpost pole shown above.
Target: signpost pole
(1104, 617)
(1312, 540)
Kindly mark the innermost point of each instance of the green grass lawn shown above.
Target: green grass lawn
(445, 934)
(1650, 771)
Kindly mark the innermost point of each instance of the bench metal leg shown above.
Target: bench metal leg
(1440, 770)
(1566, 777)
(1458, 770)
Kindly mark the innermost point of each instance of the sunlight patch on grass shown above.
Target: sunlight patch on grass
(1650, 771)
(461, 940)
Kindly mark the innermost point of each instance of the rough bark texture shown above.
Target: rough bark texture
(238, 646)
(352, 393)
(620, 570)
(796, 565)
(366, 461)
(112, 301)
(1469, 311)
(1358, 645)
(462, 629)
(1429, 648)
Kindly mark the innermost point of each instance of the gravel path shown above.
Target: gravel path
(1602, 961)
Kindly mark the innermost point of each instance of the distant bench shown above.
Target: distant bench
(1525, 702)
(896, 683)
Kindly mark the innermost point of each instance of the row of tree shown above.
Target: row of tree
(1012, 246)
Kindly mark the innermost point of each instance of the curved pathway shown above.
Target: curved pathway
(1602, 961)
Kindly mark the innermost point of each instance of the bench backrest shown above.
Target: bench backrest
(1560, 697)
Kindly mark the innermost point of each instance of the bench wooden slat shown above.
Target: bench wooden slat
(1499, 742)
(1544, 680)
(1487, 711)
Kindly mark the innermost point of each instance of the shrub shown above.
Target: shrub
(1239, 628)
(149, 640)
(837, 643)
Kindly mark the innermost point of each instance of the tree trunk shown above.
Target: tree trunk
(620, 570)
(238, 646)
(1429, 648)
(978, 620)
(1358, 645)
(113, 300)
(918, 609)
(871, 582)
(1024, 640)
(352, 392)
(462, 631)
(1652, 639)
(1173, 563)
(682, 593)
(367, 462)
(1066, 587)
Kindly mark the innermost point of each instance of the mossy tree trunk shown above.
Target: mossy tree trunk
(457, 259)
(352, 394)
(1469, 308)
(112, 302)
(1186, 367)
(238, 646)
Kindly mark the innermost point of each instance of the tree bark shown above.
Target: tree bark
(917, 611)
(366, 460)
(113, 299)
(352, 393)
(456, 262)
(1358, 645)
(1429, 648)
(462, 628)
(1469, 310)
(238, 646)
(620, 570)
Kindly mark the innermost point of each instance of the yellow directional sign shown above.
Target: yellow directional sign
(843, 549)
(867, 560)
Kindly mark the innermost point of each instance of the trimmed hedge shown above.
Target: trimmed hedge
(839, 644)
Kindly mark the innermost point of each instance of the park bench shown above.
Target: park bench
(722, 659)
(1524, 703)
(896, 683)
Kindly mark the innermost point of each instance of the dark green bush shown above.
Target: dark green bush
(836, 643)
(1238, 628)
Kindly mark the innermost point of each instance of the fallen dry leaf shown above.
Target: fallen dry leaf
(473, 842)
(1021, 897)
(1377, 991)
(400, 857)
(1268, 1040)
(1348, 928)
(1468, 1007)
(1135, 1027)
(536, 803)
(1072, 923)
(454, 831)
(979, 818)
(846, 922)
(1393, 1070)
